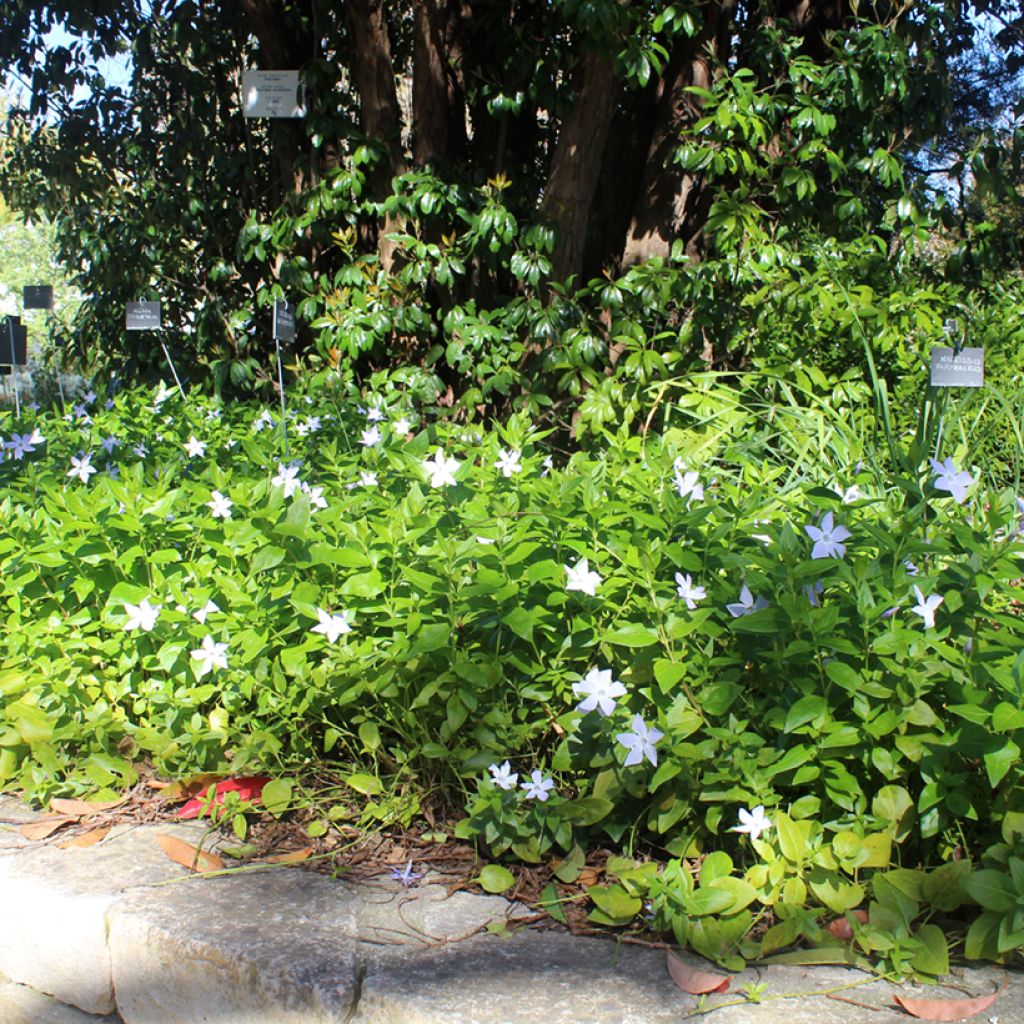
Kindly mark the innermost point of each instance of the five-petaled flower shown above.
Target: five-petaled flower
(288, 478)
(753, 823)
(688, 592)
(142, 615)
(926, 606)
(219, 505)
(21, 445)
(537, 787)
(369, 437)
(599, 691)
(406, 876)
(194, 448)
(949, 478)
(332, 626)
(687, 483)
(508, 462)
(582, 578)
(441, 470)
(828, 538)
(640, 742)
(503, 776)
(747, 603)
(82, 467)
(210, 656)
(210, 608)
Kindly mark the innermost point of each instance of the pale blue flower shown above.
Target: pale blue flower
(949, 478)
(640, 743)
(747, 603)
(828, 538)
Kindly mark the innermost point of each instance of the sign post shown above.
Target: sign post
(284, 330)
(40, 296)
(145, 316)
(15, 353)
(956, 366)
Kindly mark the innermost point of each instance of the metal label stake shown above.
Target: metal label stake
(14, 375)
(146, 316)
(284, 329)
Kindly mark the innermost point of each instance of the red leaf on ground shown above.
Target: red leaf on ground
(840, 928)
(248, 787)
(949, 1009)
(697, 983)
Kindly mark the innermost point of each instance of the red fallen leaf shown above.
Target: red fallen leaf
(840, 928)
(248, 787)
(697, 983)
(949, 1009)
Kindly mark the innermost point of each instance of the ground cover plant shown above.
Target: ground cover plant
(756, 642)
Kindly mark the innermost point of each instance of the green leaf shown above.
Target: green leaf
(792, 837)
(587, 810)
(632, 634)
(742, 893)
(368, 785)
(267, 558)
(933, 957)
(616, 905)
(990, 889)
(277, 795)
(1000, 760)
(369, 736)
(495, 878)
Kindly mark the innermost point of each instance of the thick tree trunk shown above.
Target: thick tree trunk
(671, 204)
(431, 94)
(381, 115)
(576, 163)
(282, 49)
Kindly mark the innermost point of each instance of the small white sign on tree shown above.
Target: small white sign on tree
(272, 94)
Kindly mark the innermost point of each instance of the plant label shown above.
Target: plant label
(272, 94)
(142, 316)
(284, 320)
(14, 342)
(37, 296)
(952, 369)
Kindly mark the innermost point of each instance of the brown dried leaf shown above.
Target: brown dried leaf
(185, 789)
(949, 1009)
(841, 929)
(589, 876)
(90, 838)
(189, 856)
(697, 983)
(81, 808)
(290, 858)
(44, 826)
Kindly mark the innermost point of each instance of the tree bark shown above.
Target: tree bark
(576, 163)
(374, 75)
(671, 204)
(430, 94)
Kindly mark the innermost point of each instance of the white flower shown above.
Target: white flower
(315, 495)
(911, 568)
(441, 470)
(640, 743)
(108, 444)
(263, 421)
(230, 443)
(313, 424)
(332, 626)
(687, 483)
(210, 656)
(538, 787)
(581, 577)
(849, 495)
(219, 505)
(194, 448)
(599, 690)
(82, 468)
(401, 425)
(548, 464)
(288, 478)
(375, 414)
(210, 608)
(370, 437)
(367, 479)
(486, 541)
(142, 615)
(746, 604)
(949, 478)
(753, 823)
(926, 606)
(140, 450)
(504, 777)
(828, 538)
(688, 592)
(508, 462)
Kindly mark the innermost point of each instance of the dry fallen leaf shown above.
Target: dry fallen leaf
(290, 858)
(44, 826)
(90, 838)
(697, 983)
(80, 808)
(949, 1009)
(182, 789)
(840, 928)
(188, 856)
(589, 876)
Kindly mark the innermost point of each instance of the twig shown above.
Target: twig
(784, 995)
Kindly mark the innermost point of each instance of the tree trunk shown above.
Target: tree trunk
(382, 119)
(430, 94)
(671, 204)
(576, 163)
(283, 50)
